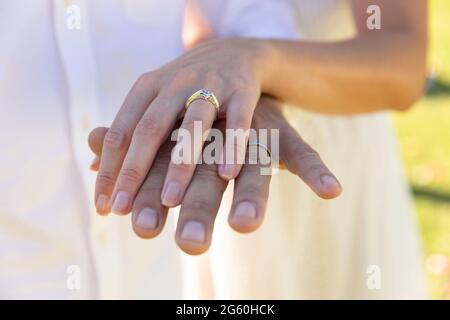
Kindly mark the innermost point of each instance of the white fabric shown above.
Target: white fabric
(56, 84)
(308, 248)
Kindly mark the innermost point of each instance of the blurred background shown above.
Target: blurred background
(424, 133)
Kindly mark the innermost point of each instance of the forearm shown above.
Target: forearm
(360, 75)
(376, 70)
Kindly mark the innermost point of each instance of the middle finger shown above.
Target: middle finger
(199, 209)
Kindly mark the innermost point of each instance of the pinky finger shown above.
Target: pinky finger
(302, 160)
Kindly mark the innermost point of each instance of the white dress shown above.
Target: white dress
(363, 245)
(57, 83)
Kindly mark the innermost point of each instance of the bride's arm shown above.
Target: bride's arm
(378, 69)
(375, 70)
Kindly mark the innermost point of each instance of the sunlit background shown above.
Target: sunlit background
(424, 133)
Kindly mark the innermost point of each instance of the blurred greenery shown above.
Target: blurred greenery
(424, 134)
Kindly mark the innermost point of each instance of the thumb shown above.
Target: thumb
(95, 141)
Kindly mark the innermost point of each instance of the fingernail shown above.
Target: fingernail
(227, 171)
(172, 194)
(147, 219)
(194, 231)
(329, 181)
(245, 210)
(121, 202)
(102, 203)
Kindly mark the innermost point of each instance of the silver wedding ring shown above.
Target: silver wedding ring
(261, 145)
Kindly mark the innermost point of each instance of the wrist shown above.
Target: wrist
(266, 64)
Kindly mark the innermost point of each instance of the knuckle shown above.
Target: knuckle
(183, 75)
(240, 122)
(214, 80)
(314, 169)
(207, 171)
(131, 175)
(149, 126)
(243, 90)
(208, 175)
(145, 80)
(181, 168)
(254, 193)
(198, 207)
(306, 160)
(252, 189)
(115, 138)
(105, 179)
(303, 153)
(191, 123)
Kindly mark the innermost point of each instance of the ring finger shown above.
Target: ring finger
(251, 191)
(199, 118)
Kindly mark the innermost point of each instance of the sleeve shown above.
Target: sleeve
(251, 18)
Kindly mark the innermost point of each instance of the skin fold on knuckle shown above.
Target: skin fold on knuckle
(146, 82)
(182, 169)
(199, 208)
(210, 181)
(206, 172)
(253, 192)
(182, 76)
(240, 122)
(105, 180)
(115, 139)
(131, 175)
(150, 127)
(302, 153)
(190, 122)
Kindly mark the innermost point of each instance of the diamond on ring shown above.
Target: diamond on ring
(206, 95)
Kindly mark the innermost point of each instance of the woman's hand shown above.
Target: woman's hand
(232, 69)
(203, 196)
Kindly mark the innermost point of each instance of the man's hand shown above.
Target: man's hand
(203, 197)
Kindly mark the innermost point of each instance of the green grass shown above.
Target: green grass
(424, 134)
